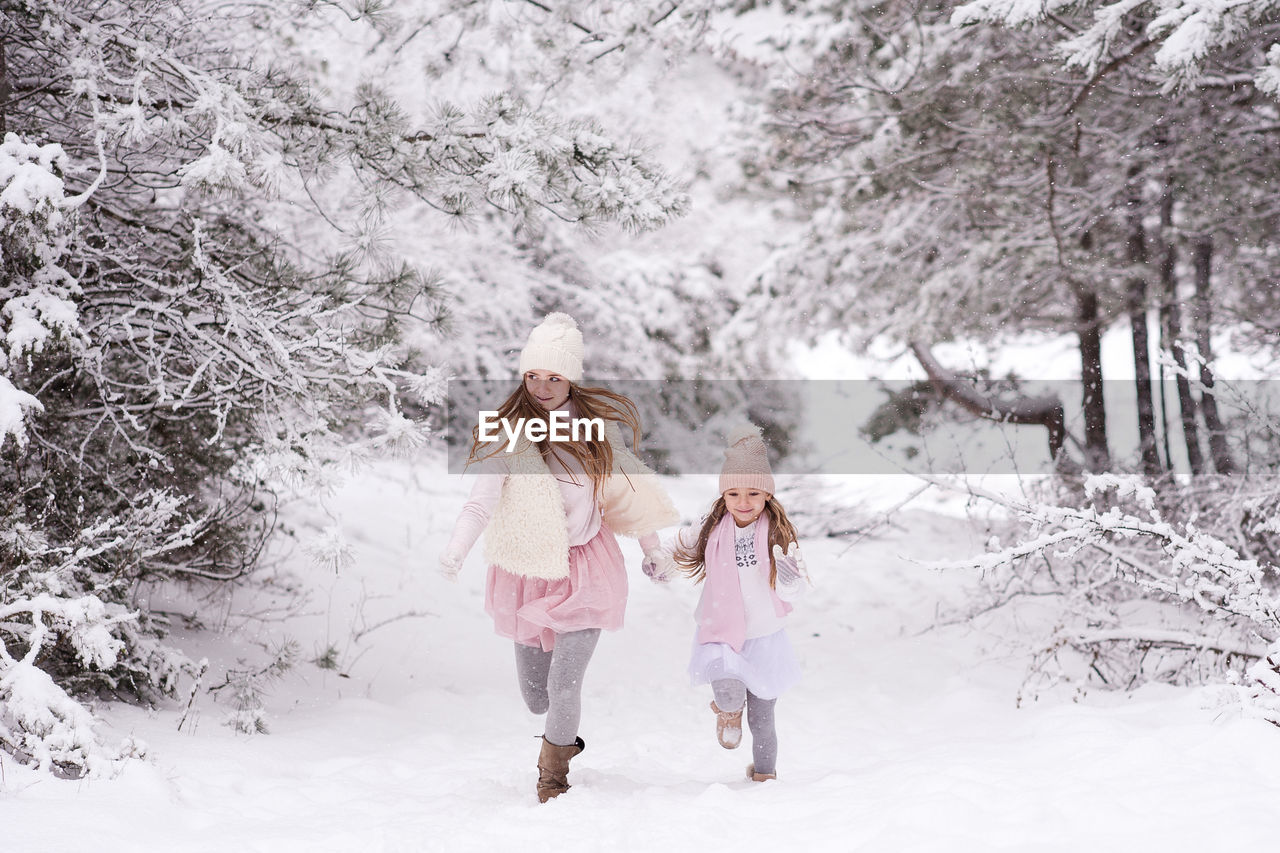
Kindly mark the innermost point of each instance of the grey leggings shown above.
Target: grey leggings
(551, 682)
(731, 694)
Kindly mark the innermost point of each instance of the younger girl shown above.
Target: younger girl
(746, 556)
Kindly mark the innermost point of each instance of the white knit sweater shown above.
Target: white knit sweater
(527, 533)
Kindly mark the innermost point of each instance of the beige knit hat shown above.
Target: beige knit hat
(746, 462)
(555, 344)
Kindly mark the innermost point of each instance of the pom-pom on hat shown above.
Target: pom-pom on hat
(555, 344)
(746, 461)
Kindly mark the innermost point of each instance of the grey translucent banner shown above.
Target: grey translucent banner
(876, 427)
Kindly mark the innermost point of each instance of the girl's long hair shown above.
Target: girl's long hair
(781, 532)
(595, 455)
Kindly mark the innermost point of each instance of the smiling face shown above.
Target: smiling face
(745, 505)
(551, 390)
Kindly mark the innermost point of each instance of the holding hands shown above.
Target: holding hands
(658, 566)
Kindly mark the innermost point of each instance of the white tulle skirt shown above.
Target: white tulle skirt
(767, 665)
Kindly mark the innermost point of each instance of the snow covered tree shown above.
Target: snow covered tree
(1212, 71)
(652, 308)
(946, 201)
(185, 320)
(965, 183)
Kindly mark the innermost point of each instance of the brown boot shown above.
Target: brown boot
(759, 777)
(553, 767)
(728, 726)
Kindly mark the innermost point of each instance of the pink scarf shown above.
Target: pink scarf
(722, 618)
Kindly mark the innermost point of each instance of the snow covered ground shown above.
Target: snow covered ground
(900, 738)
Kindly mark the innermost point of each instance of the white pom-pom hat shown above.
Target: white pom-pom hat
(555, 344)
(746, 461)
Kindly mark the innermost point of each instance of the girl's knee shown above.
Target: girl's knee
(730, 694)
(535, 697)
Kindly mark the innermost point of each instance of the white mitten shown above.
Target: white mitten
(791, 567)
(658, 566)
(449, 567)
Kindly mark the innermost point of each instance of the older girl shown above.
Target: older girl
(549, 510)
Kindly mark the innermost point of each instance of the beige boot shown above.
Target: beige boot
(553, 767)
(759, 777)
(728, 726)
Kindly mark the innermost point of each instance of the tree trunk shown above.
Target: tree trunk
(1171, 323)
(1162, 385)
(1044, 411)
(4, 88)
(1203, 256)
(1089, 329)
(1137, 299)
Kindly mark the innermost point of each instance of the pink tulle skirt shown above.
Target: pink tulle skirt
(532, 611)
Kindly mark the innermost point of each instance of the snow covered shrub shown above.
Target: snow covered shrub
(39, 721)
(34, 291)
(1179, 585)
(51, 623)
(66, 630)
(41, 724)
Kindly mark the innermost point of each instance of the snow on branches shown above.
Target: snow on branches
(1187, 34)
(502, 153)
(1175, 585)
(39, 721)
(36, 292)
(60, 616)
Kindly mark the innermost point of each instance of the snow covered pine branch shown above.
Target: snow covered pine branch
(1187, 36)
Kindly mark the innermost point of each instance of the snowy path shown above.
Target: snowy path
(897, 740)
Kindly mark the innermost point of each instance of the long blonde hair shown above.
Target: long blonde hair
(594, 454)
(781, 532)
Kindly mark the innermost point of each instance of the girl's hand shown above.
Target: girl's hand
(790, 565)
(657, 567)
(449, 567)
